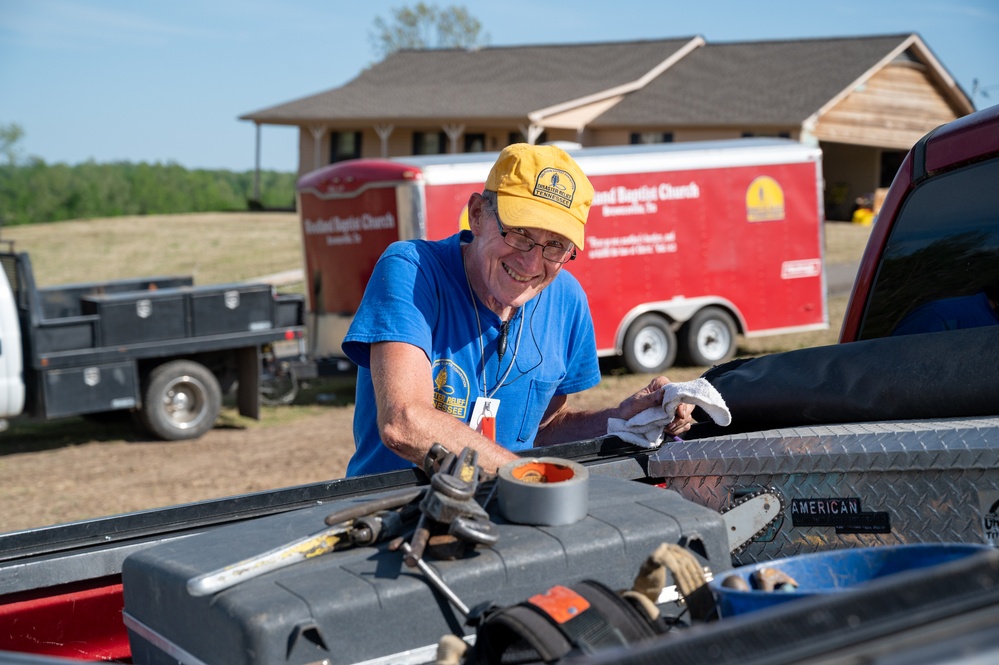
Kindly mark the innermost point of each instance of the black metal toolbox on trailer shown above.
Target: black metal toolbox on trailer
(182, 312)
(155, 345)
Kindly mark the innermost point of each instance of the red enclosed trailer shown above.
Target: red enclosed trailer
(687, 244)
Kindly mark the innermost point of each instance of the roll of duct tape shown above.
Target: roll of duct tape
(543, 491)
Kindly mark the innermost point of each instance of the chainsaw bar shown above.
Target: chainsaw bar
(749, 516)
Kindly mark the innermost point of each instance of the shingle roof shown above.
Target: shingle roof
(751, 83)
(779, 83)
(493, 82)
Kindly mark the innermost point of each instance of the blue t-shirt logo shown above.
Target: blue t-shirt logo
(451, 389)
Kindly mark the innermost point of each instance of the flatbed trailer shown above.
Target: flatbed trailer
(159, 347)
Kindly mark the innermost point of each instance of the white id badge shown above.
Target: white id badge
(484, 407)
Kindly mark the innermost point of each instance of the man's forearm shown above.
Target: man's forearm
(411, 435)
(573, 425)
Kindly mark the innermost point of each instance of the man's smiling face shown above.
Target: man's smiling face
(506, 276)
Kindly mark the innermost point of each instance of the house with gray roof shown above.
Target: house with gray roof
(864, 100)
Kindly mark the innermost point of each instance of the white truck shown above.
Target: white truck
(157, 347)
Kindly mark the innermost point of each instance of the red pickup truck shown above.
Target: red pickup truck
(897, 437)
(937, 234)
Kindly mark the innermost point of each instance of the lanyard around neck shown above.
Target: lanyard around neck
(482, 347)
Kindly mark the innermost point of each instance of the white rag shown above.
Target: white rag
(647, 428)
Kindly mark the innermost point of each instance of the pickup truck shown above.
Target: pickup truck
(157, 347)
(880, 441)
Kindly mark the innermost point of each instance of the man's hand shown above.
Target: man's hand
(562, 423)
(652, 396)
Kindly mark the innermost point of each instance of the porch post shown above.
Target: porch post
(256, 166)
(531, 132)
(454, 132)
(384, 131)
(317, 139)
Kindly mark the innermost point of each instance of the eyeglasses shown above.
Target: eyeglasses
(553, 251)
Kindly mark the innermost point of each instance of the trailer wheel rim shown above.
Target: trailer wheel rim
(651, 347)
(714, 340)
(184, 401)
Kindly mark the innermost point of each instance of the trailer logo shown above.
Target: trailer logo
(558, 188)
(144, 308)
(764, 200)
(92, 376)
(231, 299)
(451, 388)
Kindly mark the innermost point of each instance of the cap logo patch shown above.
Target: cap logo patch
(556, 186)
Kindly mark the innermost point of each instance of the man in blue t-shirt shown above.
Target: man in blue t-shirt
(477, 340)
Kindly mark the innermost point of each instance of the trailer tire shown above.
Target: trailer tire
(709, 338)
(182, 400)
(649, 345)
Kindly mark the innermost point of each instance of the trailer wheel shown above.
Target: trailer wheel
(649, 345)
(708, 338)
(182, 400)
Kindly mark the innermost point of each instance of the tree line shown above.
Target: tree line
(32, 191)
(39, 192)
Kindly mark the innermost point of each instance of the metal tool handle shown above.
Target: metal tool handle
(375, 522)
(435, 580)
(279, 557)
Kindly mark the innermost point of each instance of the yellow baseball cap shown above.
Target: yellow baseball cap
(541, 187)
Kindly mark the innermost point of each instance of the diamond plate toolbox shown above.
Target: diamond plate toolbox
(855, 485)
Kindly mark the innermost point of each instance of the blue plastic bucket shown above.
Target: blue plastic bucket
(831, 572)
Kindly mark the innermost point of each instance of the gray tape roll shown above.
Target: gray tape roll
(543, 491)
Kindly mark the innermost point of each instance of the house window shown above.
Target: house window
(429, 143)
(475, 142)
(518, 137)
(780, 135)
(344, 145)
(642, 138)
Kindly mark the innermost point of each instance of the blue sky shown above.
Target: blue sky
(166, 81)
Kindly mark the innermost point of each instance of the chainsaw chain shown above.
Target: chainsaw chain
(748, 497)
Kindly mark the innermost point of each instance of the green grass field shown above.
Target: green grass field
(214, 248)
